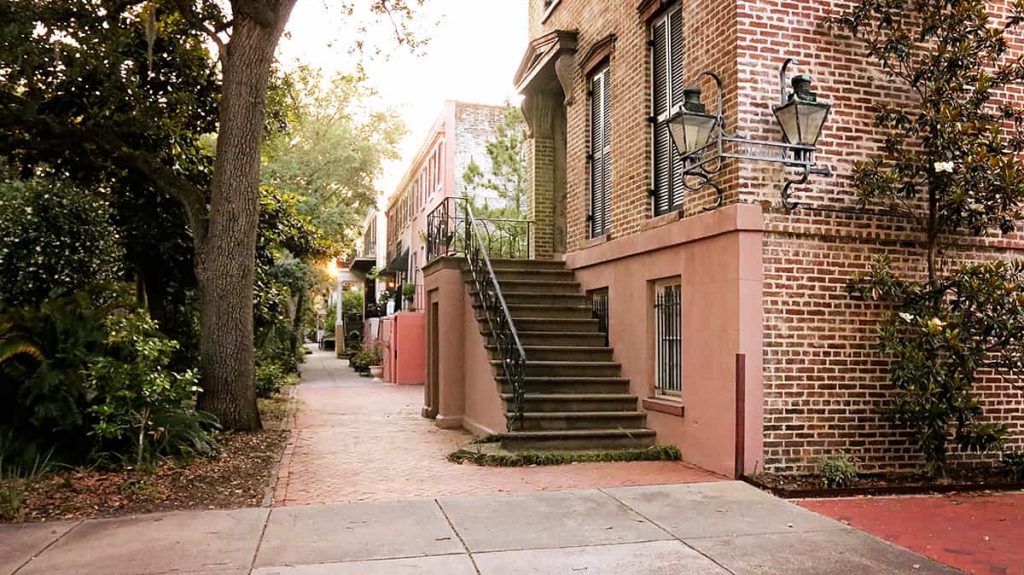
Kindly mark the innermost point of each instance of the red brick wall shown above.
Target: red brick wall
(823, 379)
(709, 28)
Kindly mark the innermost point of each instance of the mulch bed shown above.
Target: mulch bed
(809, 486)
(238, 476)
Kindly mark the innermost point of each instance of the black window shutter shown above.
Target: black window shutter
(596, 162)
(660, 104)
(606, 155)
(676, 64)
(600, 147)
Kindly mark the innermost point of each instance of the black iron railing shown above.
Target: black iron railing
(447, 233)
(503, 329)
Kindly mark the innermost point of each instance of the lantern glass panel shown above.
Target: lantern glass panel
(811, 117)
(691, 131)
(787, 117)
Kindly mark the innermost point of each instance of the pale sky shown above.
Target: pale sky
(475, 47)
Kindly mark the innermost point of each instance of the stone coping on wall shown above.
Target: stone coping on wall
(669, 231)
(443, 263)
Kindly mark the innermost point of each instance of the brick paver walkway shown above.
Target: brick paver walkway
(356, 439)
(979, 533)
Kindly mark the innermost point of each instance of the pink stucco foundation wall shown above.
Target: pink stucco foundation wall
(460, 390)
(717, 258)
(405, 351)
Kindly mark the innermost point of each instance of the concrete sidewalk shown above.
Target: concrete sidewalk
(698, 529)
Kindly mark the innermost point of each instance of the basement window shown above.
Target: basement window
(668, 339)
(599, 308)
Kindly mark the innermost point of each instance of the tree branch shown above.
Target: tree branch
(187, 11)
(257, 11)
(44, 131)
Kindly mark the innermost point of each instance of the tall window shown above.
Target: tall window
(667, 91)
(600, 152)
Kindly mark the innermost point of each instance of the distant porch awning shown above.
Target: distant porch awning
(400, 263)
(363, 264)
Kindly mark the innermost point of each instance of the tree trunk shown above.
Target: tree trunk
(225, 261)
(297, 337)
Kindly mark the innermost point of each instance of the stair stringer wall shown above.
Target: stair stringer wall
(485, 411)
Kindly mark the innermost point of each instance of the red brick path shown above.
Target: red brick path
(356, 439)
(981, 534)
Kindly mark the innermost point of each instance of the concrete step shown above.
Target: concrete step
(550, 384)
(540, 298)
(548, 402)
(577, 439)
(580, 420)
(501, 263)
(549, 324)
(573, 338)
(536, 368)
(521, 274)
(544, 286)
(562, 353)
(541, 310)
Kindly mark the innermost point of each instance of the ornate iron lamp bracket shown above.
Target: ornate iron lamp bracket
(801, 117)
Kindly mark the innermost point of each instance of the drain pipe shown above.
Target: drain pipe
(741, 410)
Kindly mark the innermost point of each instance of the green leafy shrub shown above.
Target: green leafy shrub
(1013, 463)
(270, 378)
(837, 471)
(373, 356)
(98, 386)
(143, 408)
(44, 396)
(53, 238)
(360, 361)
(938, 338)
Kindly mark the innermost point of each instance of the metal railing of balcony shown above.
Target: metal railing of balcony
(503, 329)
(448, 232)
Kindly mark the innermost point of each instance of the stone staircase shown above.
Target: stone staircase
(576, 397)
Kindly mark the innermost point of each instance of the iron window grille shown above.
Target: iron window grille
(599, 309)
(668, 340)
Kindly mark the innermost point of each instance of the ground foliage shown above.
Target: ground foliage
(239, 474)
(96, 387)
(498, 458)
(951, 162)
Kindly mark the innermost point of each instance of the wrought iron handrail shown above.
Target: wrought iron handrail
(504, 237)
(503, 329)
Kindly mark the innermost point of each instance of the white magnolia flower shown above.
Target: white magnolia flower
(907, 317)
(943, 167)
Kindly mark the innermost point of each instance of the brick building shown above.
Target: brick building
(726, 325)
(458, 138)
(754, 279)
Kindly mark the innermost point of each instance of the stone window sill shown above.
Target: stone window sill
(597, 241)
(662, 220)
(664, 405)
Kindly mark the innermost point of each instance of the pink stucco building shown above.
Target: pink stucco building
(458, 138)
(394, 236)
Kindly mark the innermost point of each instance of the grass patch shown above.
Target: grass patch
(509, 459)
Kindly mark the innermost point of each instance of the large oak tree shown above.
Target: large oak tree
(124, 88)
